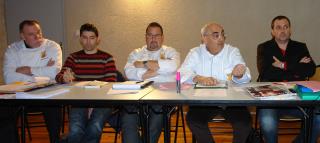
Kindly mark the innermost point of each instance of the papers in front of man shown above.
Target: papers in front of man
(220, 84)
(131, 85)
(271, 92)
(7, 96)
(116, 92)
(23, 86)
(41, 95)
(90, 84)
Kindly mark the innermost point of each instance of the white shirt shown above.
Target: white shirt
(200, 61)
(168, 59)
(18, 55)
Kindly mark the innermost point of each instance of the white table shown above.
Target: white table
(77, 96)
(234, 95)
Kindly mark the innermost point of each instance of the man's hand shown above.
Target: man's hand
(149, 74)
(205, 80)
(305, 60)
(50, 63)
(138, 64)
(68, 76)
(277, 63)
(24, 70)
(152, 65)
(239, 70)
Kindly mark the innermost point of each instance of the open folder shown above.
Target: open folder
(23, 86)
(41, 95)
(131, 85)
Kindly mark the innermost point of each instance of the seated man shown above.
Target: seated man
(282, 59)
(31, 57)
(88, 64)
(153, 62)
(208, 64)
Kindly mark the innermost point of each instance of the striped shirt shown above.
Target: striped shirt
(87, 67)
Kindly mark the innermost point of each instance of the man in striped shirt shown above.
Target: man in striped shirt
(88, 64)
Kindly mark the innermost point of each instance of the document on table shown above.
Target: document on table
(171, 85)
(271, 92)
(7, 96)
(41, 95)
(210, 92)
(23, 86)
(90, 84)
(115, 92)
(131, 85)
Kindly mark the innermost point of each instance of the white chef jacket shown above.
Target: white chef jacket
(17, 55)
(168, 59)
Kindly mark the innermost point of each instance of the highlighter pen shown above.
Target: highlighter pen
(178, 84)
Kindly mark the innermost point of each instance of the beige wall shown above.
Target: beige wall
(122, 23)
(3, 37)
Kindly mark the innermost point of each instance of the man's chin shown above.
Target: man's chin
(153, 49)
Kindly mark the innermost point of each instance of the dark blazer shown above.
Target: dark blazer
(295, 70)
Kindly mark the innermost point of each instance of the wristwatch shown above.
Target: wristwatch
(282, 65)
(144, 62)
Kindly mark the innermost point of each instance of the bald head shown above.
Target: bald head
(210, 27)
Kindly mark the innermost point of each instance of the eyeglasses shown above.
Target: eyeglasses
(150, 36)
(216, 35)
(278, 27)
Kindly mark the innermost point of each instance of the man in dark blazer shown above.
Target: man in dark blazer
(282, 59)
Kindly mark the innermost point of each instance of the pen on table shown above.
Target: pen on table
(139, 82)
(178, 84)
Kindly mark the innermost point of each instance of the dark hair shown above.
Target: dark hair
(155, 24)
(29, 23)
(89, 27)
(280, 17)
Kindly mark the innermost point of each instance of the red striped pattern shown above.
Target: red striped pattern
(86, 67)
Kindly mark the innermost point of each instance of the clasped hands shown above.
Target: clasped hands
(279, 64)
(152, 67)
(27, 69)
(238, 71)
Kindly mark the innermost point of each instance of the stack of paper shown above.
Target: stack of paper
(7, 96)
(90, 84)
(42, 95)
(131, 85)
(23, 86)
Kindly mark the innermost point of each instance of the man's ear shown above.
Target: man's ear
(98, 40)
(22, 36)
(203, 39)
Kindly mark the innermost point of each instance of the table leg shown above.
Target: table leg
(23, 135)
(144, 109)
(166, 124)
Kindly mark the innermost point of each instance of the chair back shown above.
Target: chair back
(120, 77)
(316, 75)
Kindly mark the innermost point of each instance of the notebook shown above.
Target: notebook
(131, 85)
